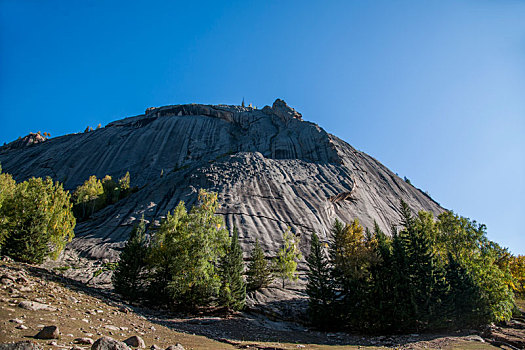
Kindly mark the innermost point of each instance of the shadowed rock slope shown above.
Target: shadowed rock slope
(270, 168)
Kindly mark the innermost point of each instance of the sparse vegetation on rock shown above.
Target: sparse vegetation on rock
(95, 194)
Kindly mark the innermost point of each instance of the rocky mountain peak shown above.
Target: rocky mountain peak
(270, 169)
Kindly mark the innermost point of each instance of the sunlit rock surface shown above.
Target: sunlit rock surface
(270, 168)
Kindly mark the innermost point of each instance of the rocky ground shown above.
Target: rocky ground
(33, 299)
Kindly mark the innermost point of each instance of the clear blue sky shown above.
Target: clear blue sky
(435, 90)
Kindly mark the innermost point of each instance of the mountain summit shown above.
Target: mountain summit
(270, 168)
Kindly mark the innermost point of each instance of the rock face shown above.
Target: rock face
(270, 168)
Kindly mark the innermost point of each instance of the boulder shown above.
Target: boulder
(175, 347)
(85, 341)
(48, 332)
(35, 306)
(135, 341)
(21, 345)
(107, 343)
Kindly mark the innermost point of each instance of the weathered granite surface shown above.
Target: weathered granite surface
(270, 168)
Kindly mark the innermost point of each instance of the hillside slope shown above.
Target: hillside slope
(270, 168)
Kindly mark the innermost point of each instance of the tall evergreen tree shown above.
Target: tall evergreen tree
(464, 304)
(320, 287)
(128, 278)
(382, 287)
(259, 270)
(231, 269)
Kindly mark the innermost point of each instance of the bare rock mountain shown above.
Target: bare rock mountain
(271, 169)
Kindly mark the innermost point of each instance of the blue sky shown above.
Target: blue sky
(432, 89)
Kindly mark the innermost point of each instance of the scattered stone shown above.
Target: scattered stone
(48, 332)
(155, 347)
(22, 280)
(107, 343)
(21, 326)
(35, 306)
(53, 343)
(124, 309)
(175, 347)
(72, 299)
(16, 320)
(475, 338)
(111, 327)
(85, 341)
(135, 341)
(21, 345)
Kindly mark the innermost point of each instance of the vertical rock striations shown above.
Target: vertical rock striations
(270, 168)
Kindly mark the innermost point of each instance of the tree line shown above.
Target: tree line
(429, 274)
(191, 262)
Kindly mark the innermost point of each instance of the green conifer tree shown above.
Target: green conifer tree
(259, 274)
(320, 286)
(128, 278)
(231, 269)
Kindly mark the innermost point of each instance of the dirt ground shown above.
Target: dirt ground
(82, 312)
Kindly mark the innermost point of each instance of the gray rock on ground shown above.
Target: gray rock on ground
(84, 341)
(48, 332)
(35, 306)
(135, 341)
(21, 345)
(175, 347)
(108, 343)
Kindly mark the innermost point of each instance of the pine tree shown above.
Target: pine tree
(382, 288)
(464, 301)
(259, 272)
(320, 287)
(231, 269)
(286, 262)
(128, 278)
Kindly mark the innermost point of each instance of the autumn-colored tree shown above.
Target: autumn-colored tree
(287, 258)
